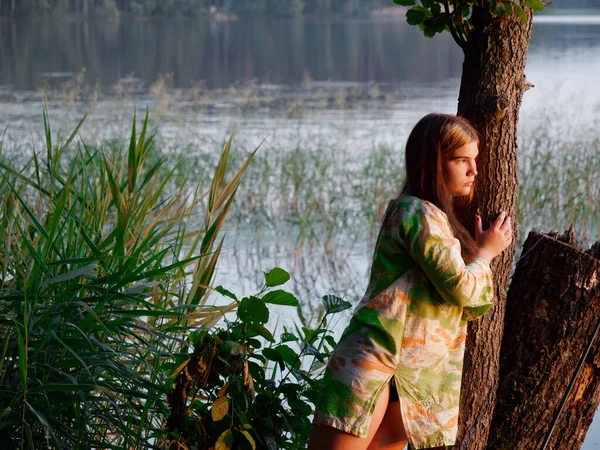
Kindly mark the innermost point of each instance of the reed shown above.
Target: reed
(103, 273)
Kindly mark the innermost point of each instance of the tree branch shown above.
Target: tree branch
(458, 39)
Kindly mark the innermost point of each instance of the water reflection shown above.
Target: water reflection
(222, 53)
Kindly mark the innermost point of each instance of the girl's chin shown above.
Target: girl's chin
(465, 190)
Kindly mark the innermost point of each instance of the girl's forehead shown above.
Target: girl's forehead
(469, 150)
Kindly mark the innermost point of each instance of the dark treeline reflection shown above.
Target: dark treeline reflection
(111, 8)
(223, 53)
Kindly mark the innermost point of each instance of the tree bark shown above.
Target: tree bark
(552, 311)
(491, 91)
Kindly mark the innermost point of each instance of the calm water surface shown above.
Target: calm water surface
(343, 87)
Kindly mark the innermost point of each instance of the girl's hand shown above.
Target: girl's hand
(495, 239)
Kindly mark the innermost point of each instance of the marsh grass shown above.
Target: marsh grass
(312, 200)
(313, 208)
(103, 273)
(559, 183)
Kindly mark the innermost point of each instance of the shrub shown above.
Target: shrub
(233, 393)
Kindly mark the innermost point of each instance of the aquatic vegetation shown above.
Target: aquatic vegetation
(102, 277)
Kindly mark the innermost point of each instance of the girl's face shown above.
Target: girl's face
(460, 169)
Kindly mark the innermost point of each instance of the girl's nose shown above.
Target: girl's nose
(474, 169)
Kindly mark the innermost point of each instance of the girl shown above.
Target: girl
(395, 376)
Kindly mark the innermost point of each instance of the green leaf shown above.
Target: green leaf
(219, 409)
(427, 3)
(501, 9)
(311, 335)
(221, 290)
(262, 331)
(4, 414)
(404, 2)
(132, 163)
(63, 387)
(288, 355)
(276, 277)
(415, 16)
(520, 12)
(253, 310)
(22, 349)
(334, 304)
(250, 439)
(440, 25)
(197, 336)
(288, 337)
(225, 441)
(299, 407)
(331, 341)
(311, 394)
(535, 5)
(273, 355)
(313, 351)
(290, 389)
(70, 275)
(40, 417)
(271, 444)
(280, 297)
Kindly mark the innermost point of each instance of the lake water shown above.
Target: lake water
(331, 91)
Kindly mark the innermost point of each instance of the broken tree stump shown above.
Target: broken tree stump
(552, 311)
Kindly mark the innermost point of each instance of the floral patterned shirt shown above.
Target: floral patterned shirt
(411, 324)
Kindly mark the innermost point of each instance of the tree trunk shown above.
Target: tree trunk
(85, 7)
(552, 312)
(492, 87)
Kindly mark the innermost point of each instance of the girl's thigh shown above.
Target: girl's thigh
(391, 434)
(324, 437)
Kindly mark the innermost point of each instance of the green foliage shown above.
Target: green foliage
(276, 277)
(251, 397)
(436, 16)
(535, 5)
(97, 270)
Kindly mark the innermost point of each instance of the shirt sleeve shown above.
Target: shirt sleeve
(430, 241)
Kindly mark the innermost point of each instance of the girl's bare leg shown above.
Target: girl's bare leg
(324, 437)
(391, 434)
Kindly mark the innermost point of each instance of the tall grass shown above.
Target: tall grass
(103, 272)
(311, 199)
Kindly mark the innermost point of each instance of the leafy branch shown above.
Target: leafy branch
(455, 16)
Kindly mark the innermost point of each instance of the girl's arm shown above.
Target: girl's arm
(426, 233)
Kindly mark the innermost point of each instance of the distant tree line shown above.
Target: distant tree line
(280, 8)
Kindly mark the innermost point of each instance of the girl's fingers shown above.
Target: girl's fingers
(499, 221)
(478, 226)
